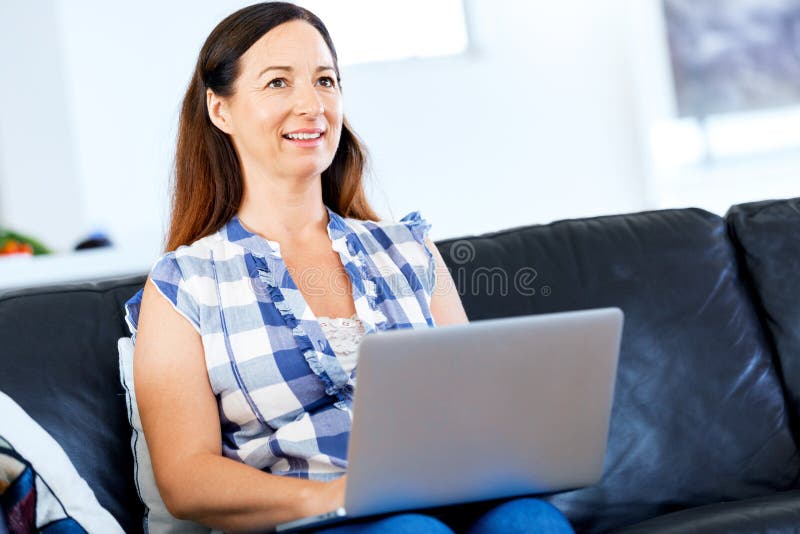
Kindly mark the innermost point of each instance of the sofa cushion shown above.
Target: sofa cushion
(59, 363)
(157, 519)
(767, 235)
(779, 512)
(699, 415)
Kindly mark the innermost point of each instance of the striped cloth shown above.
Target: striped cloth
(284, 399)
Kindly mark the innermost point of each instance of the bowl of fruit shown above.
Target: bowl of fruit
(16, 244)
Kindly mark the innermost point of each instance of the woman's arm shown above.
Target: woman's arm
(446, 306)
(181, 423)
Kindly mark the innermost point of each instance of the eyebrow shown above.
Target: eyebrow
(290, 69)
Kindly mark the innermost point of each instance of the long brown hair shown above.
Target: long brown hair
(208, 184)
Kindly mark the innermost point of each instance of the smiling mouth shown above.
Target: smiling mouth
(303, 136)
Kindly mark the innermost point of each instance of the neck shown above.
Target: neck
(284, 210)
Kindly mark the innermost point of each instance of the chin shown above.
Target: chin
(307, 171)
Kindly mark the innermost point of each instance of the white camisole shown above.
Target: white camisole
(344, 335)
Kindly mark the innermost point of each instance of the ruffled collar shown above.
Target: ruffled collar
(237, 233)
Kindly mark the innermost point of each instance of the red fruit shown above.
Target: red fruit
(12, 246)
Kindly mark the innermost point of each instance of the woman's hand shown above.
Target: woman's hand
(328, 497)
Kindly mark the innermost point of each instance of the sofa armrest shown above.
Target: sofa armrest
(774, 514)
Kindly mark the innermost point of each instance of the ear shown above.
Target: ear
(218, 111)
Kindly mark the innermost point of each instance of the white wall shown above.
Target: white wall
(536, 123)
(39, 189)
(127, 67)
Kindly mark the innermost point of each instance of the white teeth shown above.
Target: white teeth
(303, 135)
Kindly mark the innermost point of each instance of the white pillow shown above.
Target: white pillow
(60, 491)
(157, 520)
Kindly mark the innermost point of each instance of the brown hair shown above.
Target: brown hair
(208, 184)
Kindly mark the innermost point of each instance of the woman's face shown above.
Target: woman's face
(285, 115)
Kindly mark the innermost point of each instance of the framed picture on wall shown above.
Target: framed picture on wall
(730, 56)
(717, 89)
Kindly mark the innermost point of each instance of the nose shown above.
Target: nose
(308, 102)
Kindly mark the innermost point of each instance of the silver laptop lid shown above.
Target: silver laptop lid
(490, 409)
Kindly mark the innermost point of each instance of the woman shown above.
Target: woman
(271, 237)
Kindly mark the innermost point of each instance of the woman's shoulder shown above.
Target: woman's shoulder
(183, 276)
(195, 257)
(411, 227)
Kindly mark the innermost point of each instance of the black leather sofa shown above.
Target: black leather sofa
(704, 430)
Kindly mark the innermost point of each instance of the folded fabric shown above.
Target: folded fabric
(40, 490)
(27, 502)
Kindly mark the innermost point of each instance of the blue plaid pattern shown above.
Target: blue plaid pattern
(285, 402)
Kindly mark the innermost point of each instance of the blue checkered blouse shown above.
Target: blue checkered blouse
(284, 399)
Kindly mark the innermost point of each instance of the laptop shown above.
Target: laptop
(485, 410)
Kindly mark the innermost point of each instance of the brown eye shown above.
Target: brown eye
(327, 81)
(277, 83)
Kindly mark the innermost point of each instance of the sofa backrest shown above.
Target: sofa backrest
(699, 413)
(59, 362)
(767, 236)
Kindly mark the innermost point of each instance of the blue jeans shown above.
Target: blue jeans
(518, 515)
